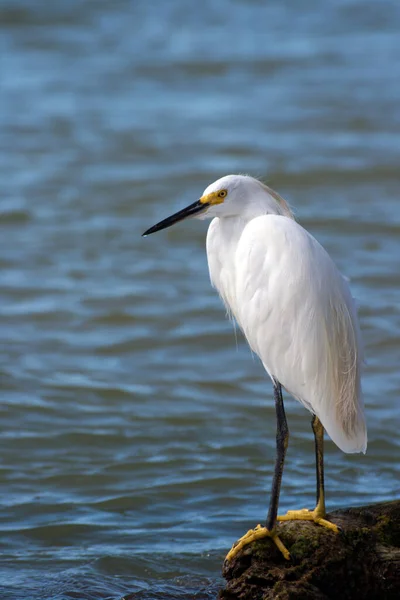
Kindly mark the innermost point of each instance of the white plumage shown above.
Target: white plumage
(292, 304)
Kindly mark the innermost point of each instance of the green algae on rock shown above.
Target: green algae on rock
(360, 563)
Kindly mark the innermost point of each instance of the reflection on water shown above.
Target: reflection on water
(137, 434)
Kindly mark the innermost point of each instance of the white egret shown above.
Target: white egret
(297, 314)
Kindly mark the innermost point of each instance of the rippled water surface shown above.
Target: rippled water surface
(137, 433)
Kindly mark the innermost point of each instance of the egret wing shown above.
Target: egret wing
(297, 314)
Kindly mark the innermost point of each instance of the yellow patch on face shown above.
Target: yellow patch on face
(214, 197)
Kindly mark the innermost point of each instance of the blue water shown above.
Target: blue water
(137, 431)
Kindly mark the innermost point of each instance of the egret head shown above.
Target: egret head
(230, 196)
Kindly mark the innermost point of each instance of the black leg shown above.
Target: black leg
(318, 514)
(282, 440)
(318, 430)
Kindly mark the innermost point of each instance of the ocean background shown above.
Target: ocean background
(137, 431)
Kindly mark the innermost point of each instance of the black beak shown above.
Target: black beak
(189, 211)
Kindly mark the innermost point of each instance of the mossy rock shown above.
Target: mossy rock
(362, 562)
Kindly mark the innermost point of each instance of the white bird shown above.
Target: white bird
(297, 314)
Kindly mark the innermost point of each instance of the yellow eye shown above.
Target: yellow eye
(222, 194)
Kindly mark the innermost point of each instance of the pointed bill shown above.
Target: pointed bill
(191, 210)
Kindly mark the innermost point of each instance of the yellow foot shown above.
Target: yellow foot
(309, 515)
(256, 534)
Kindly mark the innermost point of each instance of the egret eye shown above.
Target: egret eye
(222, 194)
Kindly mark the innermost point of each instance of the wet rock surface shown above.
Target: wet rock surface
(362, 562)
